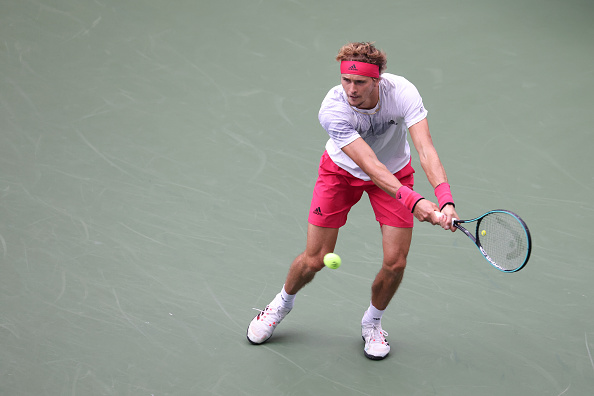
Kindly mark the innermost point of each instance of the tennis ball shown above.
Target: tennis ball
(332, 260)
(483, 232)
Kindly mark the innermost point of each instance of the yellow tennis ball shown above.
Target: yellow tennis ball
(332, 260)
(483, 232)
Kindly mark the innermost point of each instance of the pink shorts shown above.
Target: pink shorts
(336, 191)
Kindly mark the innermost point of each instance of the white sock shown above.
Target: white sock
(287, 299)
(372, 315)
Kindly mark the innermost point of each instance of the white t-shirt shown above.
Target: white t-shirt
(384, 127)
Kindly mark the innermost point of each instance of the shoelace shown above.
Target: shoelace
(376, 332)
(266, 312)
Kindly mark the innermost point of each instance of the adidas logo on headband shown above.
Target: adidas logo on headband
(360, 68)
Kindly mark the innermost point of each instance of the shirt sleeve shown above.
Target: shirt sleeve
(336, 119)
(412, 105)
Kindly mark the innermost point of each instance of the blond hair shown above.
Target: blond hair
(363, 52)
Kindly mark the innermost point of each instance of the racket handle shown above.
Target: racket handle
(439, 214)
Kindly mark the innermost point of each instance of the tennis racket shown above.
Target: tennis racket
(502, 237)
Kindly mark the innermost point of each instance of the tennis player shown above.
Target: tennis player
(368, 118)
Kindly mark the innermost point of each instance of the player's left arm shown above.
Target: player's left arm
(421, 138)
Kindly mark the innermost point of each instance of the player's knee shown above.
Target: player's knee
(313, 263)
(395, 264)
(316, 262)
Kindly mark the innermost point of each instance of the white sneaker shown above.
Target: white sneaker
(263, 325)
(376, 345)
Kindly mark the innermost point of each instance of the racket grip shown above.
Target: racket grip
(439, 214)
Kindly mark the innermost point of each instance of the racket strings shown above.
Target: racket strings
(504, 239)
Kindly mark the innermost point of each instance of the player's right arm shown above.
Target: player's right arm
(363, 155)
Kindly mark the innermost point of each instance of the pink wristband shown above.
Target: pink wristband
(408, 197)
(444, 195)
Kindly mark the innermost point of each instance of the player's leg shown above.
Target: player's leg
(320, 240)
(332, 199)
(396, 224)
(334, 195)
(396, 244)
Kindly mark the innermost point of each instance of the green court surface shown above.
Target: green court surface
(157, 160)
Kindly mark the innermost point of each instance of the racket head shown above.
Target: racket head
(503, 238)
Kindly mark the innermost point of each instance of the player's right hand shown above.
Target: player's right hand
(425, 211)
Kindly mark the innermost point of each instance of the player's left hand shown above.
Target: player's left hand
(449, 213)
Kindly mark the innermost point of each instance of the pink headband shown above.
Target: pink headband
(359, 68)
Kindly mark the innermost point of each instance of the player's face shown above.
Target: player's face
(361, 91)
